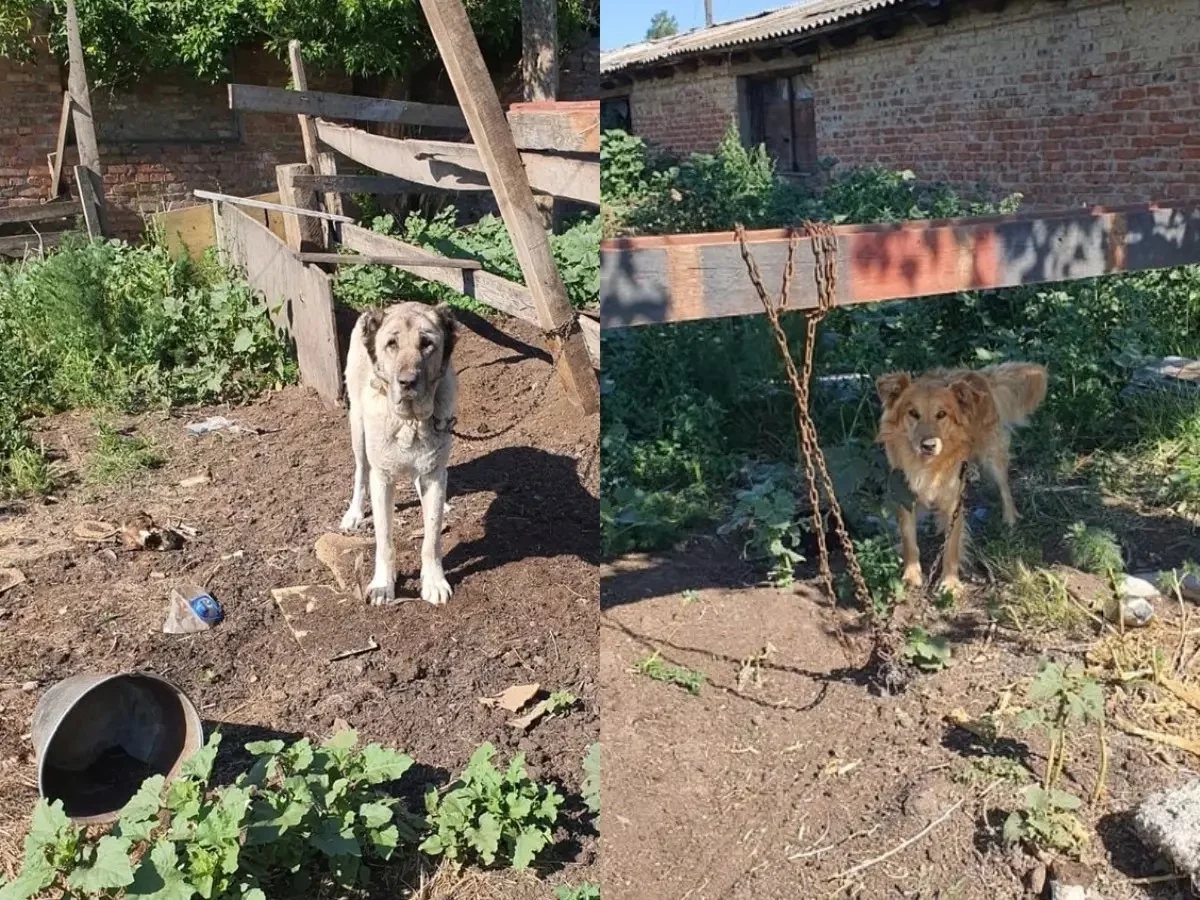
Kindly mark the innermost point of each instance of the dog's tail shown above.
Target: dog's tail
(1018, 389)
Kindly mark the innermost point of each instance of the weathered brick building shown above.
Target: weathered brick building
(172, 134)
(1067, 101)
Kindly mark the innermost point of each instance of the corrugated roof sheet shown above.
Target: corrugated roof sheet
(794, 19)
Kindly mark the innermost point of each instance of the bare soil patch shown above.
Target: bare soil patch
(520, 550)
(782, 774)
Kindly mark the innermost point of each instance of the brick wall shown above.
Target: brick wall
(1083, 102)
(159, 142)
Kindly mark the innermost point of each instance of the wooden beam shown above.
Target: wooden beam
(322, 104)
(484, 287)
(511, 181)
(85, 125)
(41, 212)
(266, 204)
(460, 167)
(539, 59)
(89, 202)
(327, 168)
(677, 278)
(300, 82)
(303, 232)
(560, 126)
(359, 184)
(21, 244)
(409, 261)
(60, 146)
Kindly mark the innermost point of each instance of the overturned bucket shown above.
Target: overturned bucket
(98, 737)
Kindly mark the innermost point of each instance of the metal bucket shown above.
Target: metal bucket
(98, 737)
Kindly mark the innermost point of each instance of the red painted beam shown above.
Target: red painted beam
(674, 278)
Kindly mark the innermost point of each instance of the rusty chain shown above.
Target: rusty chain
(824, 248)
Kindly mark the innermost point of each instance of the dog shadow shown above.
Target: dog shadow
(540, 510)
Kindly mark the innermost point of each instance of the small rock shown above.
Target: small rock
(253, 679)
(275, 695)
(1133, 612)
(1168, 823)
(511, 659)
(1035, 880)
(1140, 586)
(1190, 588)
(29, 687)
(903, 719)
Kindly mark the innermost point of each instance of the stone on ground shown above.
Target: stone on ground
(1168, 823)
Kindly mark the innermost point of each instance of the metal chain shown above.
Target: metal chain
(561, 332)
(824, 248)
(927, 590)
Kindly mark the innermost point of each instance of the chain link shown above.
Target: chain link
(824, 249)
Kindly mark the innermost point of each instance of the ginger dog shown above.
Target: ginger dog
(934, 424)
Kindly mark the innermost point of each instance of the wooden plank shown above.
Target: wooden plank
(39, 212)
(459, 167)
(299, 296)
(303, 232)
(534, 125)
(539, 41)
(327, 168)
(511, 181)
(60, 146)
(258, 203)
(323, 104)
(407, 261)
(21, 244)
(591, 337)
(89, 202)
(191, 230)
(700, 276)
(563, 127)
(498, 293)
(85, 125)
(359, 184)
(300, 82)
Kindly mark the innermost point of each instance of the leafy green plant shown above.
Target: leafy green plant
(926, 652)
(1047, 822)
(766, 514)
(586, 891)
(1061, 697)
(654, 667)
(1037, 599)
(882, 571)
(591, 778)
(301, 813)
(560, 703)
(492, 816)
(1094, 549)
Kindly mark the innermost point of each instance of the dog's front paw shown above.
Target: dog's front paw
(435, 588)
(1010, 517)
(913, 576)
(352, 520)
(950, 585)
(381, 594)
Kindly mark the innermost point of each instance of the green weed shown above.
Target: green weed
(492, 816)
(1061, 698)
(925, 652)
(1094, 549)
(654, 667)
(1037, 600)
(765, 515)
(586, 891)
(28, 472)
(1046, 822)
(591, 778)
(117, 458)
(560, 703)
(882, 571)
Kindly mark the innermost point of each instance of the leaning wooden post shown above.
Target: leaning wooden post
(489, 129)
(85, 125)
(302, 232)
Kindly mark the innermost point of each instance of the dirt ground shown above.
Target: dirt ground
(775, 781)
(520, 551)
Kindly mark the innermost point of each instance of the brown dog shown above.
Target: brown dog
(934, 424)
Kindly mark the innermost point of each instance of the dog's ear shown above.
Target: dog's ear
(969, 391)
(891, 386)
(371, 320)
(449, 325)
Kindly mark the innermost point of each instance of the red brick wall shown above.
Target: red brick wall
(195, 148)
(1084, 102)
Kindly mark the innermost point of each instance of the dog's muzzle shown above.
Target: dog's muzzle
(931, 446)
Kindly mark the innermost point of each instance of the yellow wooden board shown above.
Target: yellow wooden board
(190, 229)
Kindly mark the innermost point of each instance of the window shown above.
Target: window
(614, 113)
(781, 117)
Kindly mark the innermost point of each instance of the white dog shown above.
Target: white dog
(402, 394)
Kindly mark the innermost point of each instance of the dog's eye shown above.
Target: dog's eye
(941, 414)
(913, 414)
(426, 344)
(391, 345)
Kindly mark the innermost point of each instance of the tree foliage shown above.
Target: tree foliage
(662, 25)
(358, 37)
